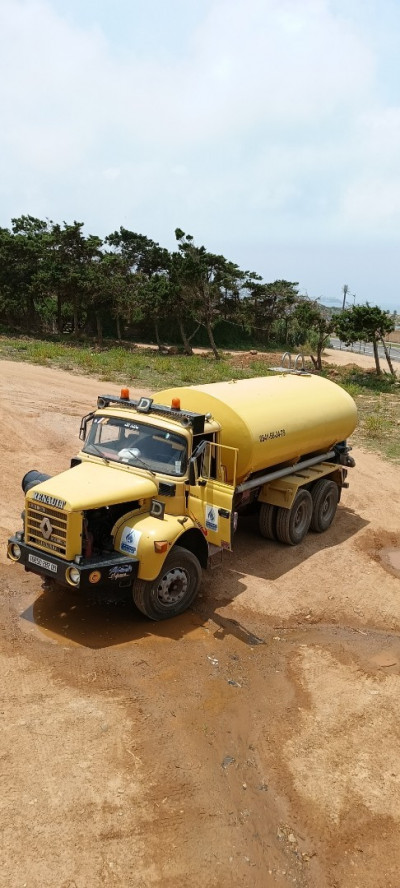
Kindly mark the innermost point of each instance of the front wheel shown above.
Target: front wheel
(173, 591)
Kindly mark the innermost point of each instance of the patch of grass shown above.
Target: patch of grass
(142, 367)
(352, 388)
(260, 367)
(378, 405)
(356, 380)
(375, 425)
(379, 424)
(392, 450)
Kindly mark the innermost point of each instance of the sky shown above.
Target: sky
(267, 129)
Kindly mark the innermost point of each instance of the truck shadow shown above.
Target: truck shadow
(269, 560)
(65, 617)
(256, 558)
(93, 623)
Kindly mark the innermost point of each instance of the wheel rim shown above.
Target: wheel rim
(327, 505)
(301, 516)
(173, 586)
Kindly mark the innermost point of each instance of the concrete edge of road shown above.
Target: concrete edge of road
(366, 349)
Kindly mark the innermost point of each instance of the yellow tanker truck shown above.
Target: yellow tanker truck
(155, 492)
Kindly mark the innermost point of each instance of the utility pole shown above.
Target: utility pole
(345, 292)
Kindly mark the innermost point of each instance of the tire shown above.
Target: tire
(173, 591)
(293, 524)
(267, 521)
(325, 497)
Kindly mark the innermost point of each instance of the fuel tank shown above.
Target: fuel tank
(272, 419)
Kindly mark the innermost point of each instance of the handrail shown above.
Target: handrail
(280, 473)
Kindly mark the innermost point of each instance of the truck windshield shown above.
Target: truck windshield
(137, 444)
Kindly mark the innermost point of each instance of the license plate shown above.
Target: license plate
(40, 562)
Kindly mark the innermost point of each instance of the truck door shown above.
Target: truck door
(210, 500)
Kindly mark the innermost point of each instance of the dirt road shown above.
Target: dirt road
(253, 742)
(342, 358)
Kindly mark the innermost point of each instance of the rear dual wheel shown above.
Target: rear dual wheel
(315, 510)
(267, 521)
(325, 497)
(292, 524)
(287, 525)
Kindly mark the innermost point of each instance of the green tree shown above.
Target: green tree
(149, 267)
(315, 327)
(183, 301)
(366, 323)
(268, 303)
(156, 300)
(207, 284)
(122, 289)
(141, 253)
(21, 260)
(67, 267)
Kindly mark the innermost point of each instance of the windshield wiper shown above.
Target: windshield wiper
(98, 452)
(142, 463)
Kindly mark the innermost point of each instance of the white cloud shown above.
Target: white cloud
(370, 197)
(253, 62)
(379, 133)
(45, 86)
(285, 61)
(112, 173)
(373, 204)
(272, 123)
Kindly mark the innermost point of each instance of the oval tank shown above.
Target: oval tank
(273, 419)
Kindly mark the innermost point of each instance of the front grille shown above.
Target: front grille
(46, 528)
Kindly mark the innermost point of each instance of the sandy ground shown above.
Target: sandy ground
(341, 358)
(255, 741)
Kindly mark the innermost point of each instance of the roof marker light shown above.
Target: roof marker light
(176, 403)
(125, 394)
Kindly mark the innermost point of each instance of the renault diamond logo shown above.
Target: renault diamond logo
(46, 528)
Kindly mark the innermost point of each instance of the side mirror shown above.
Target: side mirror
(83, 425)
(193, 464)
(192, 472)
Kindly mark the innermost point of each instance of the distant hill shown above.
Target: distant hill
(332, 302)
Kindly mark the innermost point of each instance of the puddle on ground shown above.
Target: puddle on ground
(64, 617)
(391, 560)
(73, 621)
(374, 651)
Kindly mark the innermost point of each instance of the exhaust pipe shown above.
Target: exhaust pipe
(32, 478)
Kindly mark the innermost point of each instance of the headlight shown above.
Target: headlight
(14, 551)
(73, 576)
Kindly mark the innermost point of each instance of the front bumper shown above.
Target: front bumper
(113, 571)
